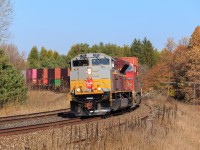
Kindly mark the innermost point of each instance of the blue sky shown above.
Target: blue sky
(59, 24)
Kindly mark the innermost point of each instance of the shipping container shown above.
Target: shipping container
(54, 73)
(68, 72)
(51, 73)
(45, 73)
(57, 73)
(34, 73)
(28, 74)
(64, 74)
(39, 73)
(45, 77)
(57, 82)
(51, 82)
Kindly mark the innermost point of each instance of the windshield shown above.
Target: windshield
(77, 63)
(101, 61)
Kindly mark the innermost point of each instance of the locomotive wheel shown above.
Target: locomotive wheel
(138, 99)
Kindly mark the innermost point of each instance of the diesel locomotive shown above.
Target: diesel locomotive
(101, 84)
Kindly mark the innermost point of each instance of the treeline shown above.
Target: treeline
(45, 59)
(178, 70)
(144, 50)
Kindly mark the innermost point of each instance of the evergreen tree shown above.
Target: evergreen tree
(147, 56)
(43, 54)
(144, 51)
(12, 87)
(33, 58)
(127, 51)
(136, 48)
(77, 49)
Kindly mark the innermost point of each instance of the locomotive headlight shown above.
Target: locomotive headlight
(98, 88)
(89, 71)
(78, 89)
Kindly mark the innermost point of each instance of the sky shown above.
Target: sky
(59, 24)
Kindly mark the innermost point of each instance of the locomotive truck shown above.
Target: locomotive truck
(101, 84)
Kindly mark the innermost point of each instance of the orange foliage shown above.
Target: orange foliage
(160, 74)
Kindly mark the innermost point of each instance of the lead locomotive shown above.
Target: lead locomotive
(100, 84)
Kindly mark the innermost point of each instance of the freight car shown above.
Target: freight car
(52, 79)
(100, 84)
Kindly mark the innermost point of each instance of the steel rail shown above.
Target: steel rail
(17, 118)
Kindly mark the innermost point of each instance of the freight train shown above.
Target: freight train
(100, 84)
(53, 79)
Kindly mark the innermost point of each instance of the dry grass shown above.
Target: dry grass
(38, 101)
(176, 126)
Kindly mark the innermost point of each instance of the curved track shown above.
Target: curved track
(40, 121)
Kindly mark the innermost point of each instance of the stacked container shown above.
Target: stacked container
(31, 76)
(57, 77)
(65, 78)
(39, 76)
(28, 76)
(54, 77)
(45, 77)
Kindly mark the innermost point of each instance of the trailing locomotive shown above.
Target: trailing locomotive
(100, 84)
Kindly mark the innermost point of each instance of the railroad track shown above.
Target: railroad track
(53, 119)
(17, 118)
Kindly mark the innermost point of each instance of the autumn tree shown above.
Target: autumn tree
(193, 65)
(179, 69)
(160, 75)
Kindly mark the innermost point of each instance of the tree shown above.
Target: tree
(147, 56)
(127, 51)
(156, 56)
(193, 64)
(144, 50)
(195, 38)
(6, 11)
(33, 58)
(11, 82)
(170, 45)
(179, 69)
(15, 58)
(136, 48)
(77, 49)
(159, 75)
(184, 41)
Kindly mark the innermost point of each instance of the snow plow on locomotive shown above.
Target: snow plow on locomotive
(100, 84)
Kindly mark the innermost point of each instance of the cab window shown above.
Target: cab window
(77, 63)
(101, 61)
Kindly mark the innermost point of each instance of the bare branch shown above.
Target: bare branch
(170, 45)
